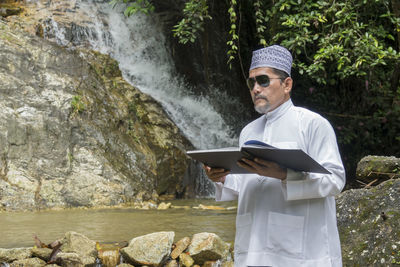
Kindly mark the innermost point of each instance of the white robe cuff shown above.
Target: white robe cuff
(226, 191)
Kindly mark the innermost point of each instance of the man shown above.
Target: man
(284, 218)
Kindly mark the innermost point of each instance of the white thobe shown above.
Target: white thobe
(292, 223)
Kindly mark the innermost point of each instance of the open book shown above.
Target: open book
(226, 158)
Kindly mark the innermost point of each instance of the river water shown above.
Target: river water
(115, 225)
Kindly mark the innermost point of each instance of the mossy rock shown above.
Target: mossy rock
(369, 225)
(378, 168)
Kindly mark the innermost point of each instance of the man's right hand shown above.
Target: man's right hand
(215, 174)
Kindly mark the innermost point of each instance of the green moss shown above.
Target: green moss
(137, 111)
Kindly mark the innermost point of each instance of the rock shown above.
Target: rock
(186, 260)
(180, 246)
(369, 223)
(42, 253)
(125, 265)
(166, 197)
(204, 207)
(377, 168)
(6, 11)
(228, 264)
(30, 262)
(73, 132)
(109, 258)
(81, 245)
(172, 263)
(149, 249)
(164, 206)
(210, 264)
(13, 254)
(70, 260)
(180, 207)
(208, 246)
(108, 254)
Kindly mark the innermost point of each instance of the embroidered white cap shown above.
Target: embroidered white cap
(274, 56)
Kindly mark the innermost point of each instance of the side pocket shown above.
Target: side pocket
(243, 228)
(285, 233)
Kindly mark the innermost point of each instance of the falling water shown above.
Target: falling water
(139, 46)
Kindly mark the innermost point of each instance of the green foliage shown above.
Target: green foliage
(334, 40)
(194, 15)
(135, 6)
(233, 42)
(77, 104)
(260, 20)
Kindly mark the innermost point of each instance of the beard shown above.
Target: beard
(264, 108)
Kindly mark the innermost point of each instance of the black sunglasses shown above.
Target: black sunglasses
(262, 80)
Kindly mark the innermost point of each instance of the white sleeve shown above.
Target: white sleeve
(229, 190)
(323, 148)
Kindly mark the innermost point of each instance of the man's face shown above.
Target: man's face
(268, 98)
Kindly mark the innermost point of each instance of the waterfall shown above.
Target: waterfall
(139, 45)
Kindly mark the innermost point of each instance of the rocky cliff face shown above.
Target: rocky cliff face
(74, 133)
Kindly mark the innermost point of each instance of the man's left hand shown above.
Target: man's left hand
(263, 168)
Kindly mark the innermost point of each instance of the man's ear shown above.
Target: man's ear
(288, 83)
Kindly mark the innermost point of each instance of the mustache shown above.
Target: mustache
(260, 97)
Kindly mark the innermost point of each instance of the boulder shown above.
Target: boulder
(81, 245)
(13, 254)
(42, 253)
(208, 246)
(30, 262)
(369, 225)
(149, 249)
(375, 169)
(70, 260)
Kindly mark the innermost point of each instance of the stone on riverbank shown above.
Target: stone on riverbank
(10, 255)
(31, 262)
(180, 246)
(186, 260)
(208, 246)
(149, 249)
(78, 243)
(71, 260)
(369, 225)
(81, 245)
(42, 253)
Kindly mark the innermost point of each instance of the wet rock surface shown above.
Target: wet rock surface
(369, 225)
